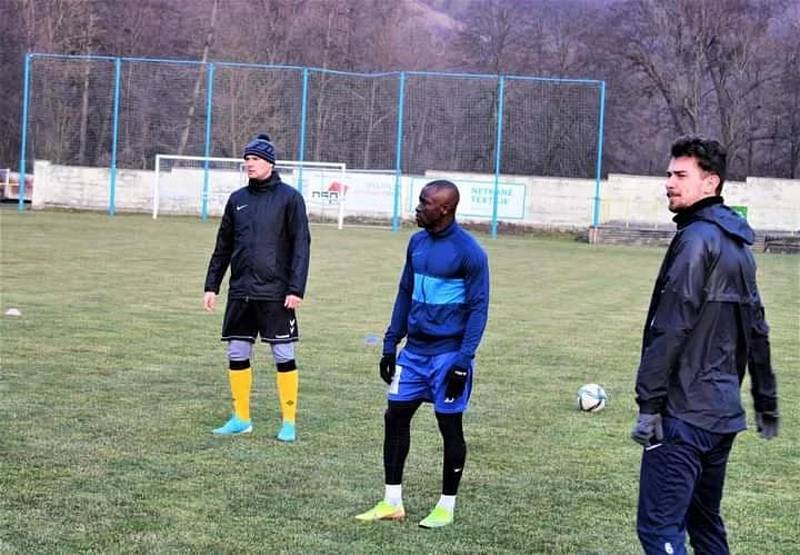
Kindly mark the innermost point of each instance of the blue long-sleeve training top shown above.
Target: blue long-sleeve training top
(443, 299)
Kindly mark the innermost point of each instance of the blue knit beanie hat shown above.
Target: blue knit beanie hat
(261, 147)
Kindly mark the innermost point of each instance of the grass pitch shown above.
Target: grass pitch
(113, 377)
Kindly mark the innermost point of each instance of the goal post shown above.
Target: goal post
(182, 183)
(200, 184)
(321, 183)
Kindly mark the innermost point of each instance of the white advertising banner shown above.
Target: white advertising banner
(364, 192)
(477, 198)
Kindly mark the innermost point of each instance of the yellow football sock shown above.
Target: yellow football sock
(288, 384)
(241, 383)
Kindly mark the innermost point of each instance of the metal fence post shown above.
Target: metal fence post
(112, 185)
(599, 167)
(398, 152)
(24, 141)
(501, 88)
(301, 144)
(207, 147)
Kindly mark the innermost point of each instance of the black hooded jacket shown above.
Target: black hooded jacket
(706, 325)
(264, 237)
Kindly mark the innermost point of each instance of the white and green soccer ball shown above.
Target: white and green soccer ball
(591, 398)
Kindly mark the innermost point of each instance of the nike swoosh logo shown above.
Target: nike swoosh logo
(240, 207)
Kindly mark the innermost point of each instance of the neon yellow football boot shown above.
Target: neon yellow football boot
(439, 517)
(383, 511)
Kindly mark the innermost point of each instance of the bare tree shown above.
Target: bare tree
(706, 62)
(497, 36)
(200, 76)
(672, 66)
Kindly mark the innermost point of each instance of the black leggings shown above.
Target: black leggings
(397, 441)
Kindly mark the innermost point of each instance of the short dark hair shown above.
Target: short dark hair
(711, 156)
(440, 184)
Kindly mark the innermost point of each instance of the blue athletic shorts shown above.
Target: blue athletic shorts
(425, 377)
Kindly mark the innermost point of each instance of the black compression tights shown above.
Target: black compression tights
(397, 438)
(455, 451)
(397, 441)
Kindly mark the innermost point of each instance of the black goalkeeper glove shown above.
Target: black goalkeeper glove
(456, 382)
(386, 366)
(767, 424)
(648, 426)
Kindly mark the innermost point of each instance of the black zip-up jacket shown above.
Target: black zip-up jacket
(264, 238)
(706, 325)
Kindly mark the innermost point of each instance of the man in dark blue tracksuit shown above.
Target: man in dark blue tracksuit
(705, 326)
(441, 309)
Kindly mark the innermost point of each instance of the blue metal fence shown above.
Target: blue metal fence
(406, 122)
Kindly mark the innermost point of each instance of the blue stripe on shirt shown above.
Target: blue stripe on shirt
(435, 290)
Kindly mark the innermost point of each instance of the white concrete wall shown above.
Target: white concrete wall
(773, 204)
(86, 188)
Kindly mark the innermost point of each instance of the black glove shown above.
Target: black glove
(648, 426)
(767, 424)
(386, 366)
(456, 382)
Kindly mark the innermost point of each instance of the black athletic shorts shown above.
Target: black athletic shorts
(244, 319)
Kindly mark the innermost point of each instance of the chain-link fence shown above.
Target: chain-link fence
(122, 112)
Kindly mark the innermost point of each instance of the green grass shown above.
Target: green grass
(113, 378)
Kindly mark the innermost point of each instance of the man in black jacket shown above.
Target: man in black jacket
(705, 325)
(264, 238)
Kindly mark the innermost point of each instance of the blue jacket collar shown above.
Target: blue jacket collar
(449, 230)
(269, 183)
(712, 209)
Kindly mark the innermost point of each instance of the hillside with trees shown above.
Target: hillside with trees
(725, 68)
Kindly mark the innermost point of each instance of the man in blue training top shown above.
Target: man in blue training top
(441, 309)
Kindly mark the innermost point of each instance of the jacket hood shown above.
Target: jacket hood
(713, 210)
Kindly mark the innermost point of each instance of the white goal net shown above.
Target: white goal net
(199, 185)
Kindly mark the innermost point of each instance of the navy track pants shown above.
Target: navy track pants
(680, 490)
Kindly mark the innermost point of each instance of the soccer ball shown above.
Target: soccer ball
(591, 398)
